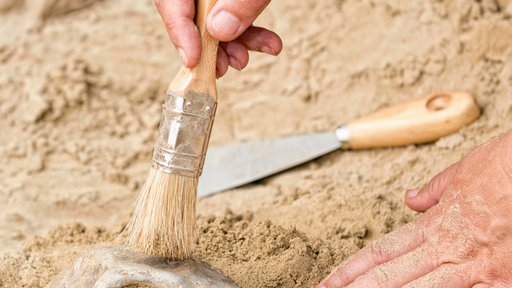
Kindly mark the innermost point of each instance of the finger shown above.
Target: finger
(423, 199)
(446, 275)
(261, 40)
(391, 246)
(237, 54)
(229, 18)
(401, 270)
(178, 16)
(222, 62)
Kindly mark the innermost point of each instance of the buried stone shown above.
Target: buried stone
(113, 267)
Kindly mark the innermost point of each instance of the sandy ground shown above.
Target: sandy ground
(81, 86)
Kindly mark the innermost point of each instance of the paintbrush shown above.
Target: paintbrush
(163, 222)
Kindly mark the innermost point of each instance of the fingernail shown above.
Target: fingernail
(183, 56)
(412, 193)
(235, 63)
(268, 50)
(226, 23)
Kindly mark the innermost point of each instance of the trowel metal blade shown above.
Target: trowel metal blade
(238, 164)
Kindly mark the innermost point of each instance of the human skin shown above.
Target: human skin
(229, 21)
(463, 239)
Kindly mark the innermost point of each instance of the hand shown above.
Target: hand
(463, 240)
(229, 21)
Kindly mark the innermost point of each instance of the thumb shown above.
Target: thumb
(230, 18)
(421, 200)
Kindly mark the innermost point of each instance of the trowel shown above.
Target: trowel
(421, 120)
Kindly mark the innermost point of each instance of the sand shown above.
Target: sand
(81, 86)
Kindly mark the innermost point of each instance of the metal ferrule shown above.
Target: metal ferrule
(343, 135)
(184, 132)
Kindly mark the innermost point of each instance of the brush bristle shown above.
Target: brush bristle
(163, 222)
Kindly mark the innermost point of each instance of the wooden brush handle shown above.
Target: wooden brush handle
(418, 121)
(201, 78)
(209, 45)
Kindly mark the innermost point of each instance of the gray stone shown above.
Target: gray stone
(115, 267)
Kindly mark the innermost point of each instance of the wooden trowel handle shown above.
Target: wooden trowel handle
(421, 120)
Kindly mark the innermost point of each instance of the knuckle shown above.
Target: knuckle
(173, 26)
(438, 183)
(341, 275)
(432, 186)
(436, 260)
(379, 278)
(170, 23)
(446, 256)
(377, 253)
